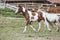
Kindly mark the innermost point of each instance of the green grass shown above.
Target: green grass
(9, 13)
(11, 29)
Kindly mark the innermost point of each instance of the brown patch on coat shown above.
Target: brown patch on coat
(26, 15)
(40, 17)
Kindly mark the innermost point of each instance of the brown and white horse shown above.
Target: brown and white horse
(50, 18)
(30, 17)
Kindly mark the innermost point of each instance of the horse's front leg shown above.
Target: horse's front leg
(28, 23)
(32, 26)
(25, 27)
(47, 23)
(39, 24)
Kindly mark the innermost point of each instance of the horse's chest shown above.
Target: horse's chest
(33, 17)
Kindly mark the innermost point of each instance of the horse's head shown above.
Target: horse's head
(20, 9)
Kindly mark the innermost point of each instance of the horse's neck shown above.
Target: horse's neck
(24, 13)
(23, 10)
(44, 14)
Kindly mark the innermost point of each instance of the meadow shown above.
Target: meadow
(12, 25)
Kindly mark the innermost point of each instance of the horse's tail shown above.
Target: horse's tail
(59, 18)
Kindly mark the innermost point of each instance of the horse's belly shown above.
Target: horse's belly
(34, 18)
(52, 18)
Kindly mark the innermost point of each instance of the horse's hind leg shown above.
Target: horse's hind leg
(48, 26)
(25, 27)
(57, 25)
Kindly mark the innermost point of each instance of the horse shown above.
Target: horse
(30, 17)
(50, 18)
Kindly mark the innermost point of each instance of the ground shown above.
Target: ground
(11, 29)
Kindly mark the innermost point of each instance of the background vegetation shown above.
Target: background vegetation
(9, 13)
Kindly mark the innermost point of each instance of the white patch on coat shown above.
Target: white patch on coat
(52, 17)
(35, 17)
(23, 9)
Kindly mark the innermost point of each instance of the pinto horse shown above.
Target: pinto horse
(30, 17)
(50, 18)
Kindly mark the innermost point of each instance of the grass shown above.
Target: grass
(11, 29)
(9, 13)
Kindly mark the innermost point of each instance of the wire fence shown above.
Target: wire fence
(2, 5)
(26, 5)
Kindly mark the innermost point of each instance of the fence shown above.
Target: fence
(30, 5)
(2, 5)
(12, 7)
